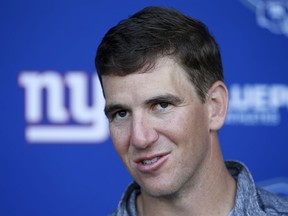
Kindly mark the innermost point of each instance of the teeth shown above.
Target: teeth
(148, 162)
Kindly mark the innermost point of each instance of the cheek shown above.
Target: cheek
(120, 139)
(190, 126)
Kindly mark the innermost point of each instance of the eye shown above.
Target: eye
(162, 106)
(121, 114)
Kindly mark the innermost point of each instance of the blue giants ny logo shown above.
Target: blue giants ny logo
(270, 14)
(57, 108)
(278, 186)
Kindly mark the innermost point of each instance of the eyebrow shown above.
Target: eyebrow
(170, 98)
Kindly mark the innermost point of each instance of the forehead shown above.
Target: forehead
(165, 77)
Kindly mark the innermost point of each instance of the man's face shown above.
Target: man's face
(159, 127)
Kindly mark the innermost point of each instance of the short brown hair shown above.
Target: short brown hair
(136, 43)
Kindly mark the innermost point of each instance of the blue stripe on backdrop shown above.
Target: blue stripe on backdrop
(57, 40)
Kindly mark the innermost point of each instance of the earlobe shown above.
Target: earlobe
(218, 104)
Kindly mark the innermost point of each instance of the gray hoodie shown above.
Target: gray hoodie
(250, 200)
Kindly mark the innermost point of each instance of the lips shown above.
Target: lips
(150, 163)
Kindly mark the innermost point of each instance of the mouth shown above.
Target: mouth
(151, 163)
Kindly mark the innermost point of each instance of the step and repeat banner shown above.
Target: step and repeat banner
(56, 157)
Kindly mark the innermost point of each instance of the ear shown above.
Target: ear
(218, 104)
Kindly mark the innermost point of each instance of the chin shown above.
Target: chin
(160, 190)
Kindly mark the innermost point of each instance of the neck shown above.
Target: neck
(211, 192)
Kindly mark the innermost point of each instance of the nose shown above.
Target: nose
(143, 133)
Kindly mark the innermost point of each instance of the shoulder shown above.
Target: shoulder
(272, 203)
(252, 200)
(127, 203)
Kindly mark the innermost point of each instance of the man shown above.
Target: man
(162, 79)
